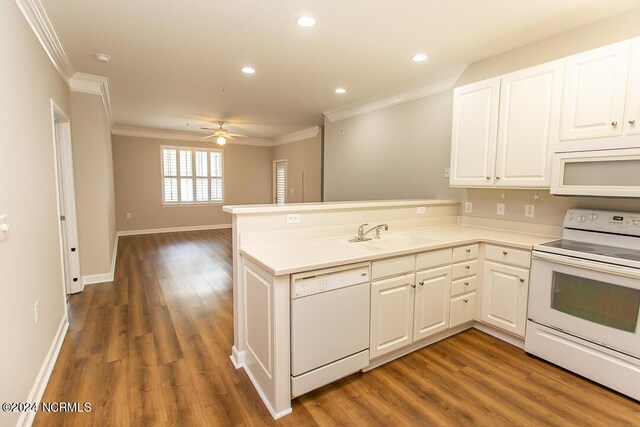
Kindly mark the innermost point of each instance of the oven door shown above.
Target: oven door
(596, 301)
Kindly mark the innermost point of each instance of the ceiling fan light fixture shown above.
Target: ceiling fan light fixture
(221, 140)
(419, 57)
(248, 70)
(340, 90)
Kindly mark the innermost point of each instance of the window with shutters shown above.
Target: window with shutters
(191, 176)
(280, 181)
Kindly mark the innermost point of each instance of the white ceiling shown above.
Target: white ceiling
(171, 58)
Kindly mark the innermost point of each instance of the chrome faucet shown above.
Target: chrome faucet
(362, 234)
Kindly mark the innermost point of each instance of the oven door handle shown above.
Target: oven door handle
(586, 264)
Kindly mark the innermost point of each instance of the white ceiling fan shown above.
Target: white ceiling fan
(221, 134)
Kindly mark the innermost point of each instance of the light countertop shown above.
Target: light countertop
(294, 257)
(326, 206)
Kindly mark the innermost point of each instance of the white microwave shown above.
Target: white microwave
(609, 173)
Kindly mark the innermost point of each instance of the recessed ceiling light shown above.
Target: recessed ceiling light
(306, 21)
(419, 57)
(103, 57)
(340, 90)
(248, 70)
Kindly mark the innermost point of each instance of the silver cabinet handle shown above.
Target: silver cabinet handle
(422, 283)
(466, 283)
(504, 252)
(614, 123)
(413, 286)
(468, 251)
(465, 301)
(497, 177)
(632, 122)
(488, 177)
(467, 267)
(521, 280)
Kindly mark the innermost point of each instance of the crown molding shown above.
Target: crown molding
(441, 84)
(141, 132)
(95, 85)
(40, 24)
(300, 135)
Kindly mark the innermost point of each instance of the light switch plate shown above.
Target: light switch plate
(500, 209)
(468, 207)
(293, 218)
(447, 172)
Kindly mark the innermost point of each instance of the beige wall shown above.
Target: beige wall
(399, 152)
(247, 174)
(30, 260)
(610, 30)
(303, 157)
(93, 173)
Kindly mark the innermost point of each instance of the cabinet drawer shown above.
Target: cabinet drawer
(464, 269)
(464, 253)
(433, 259)
(463, 286)
(393, 266)
(463, 309)
(508, 255)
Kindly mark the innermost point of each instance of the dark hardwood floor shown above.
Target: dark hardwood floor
(152, 348)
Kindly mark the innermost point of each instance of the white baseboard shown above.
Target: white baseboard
(237, 358)
(504, 336)
(26, 418)
(103, 277)
(266, 402)
(172, 229)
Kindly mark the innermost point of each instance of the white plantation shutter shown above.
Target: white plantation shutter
(191, 176)
(280, 182)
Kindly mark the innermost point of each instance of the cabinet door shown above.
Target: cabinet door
(391, 314)
(473, 139)
(504, 297)
(431, 313)
(632, 109)
(594, 93)
(529, 120)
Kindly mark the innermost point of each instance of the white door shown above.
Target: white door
(391, 314)
(594, 93)
(528, 128)
(632, 108)
(66, 200)
(504, 297)
(474, 132)
(431, 312)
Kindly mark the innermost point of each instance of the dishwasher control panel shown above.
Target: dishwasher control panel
(315, 283)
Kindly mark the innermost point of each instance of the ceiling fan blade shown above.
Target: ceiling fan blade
(237, 135)
(209, 128)
(208, 136)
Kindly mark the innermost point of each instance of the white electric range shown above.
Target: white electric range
(584, 299)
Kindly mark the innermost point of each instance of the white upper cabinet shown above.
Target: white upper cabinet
(632, 108)
(528, 125)
(594, 93)
(475, 128)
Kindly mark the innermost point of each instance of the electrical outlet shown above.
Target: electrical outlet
(36, 309)
(530, 211)
(500, 209)
(128, 215)
(447, 172)
(421, 210)
(293, 218)
(4, 227)
(468, 207)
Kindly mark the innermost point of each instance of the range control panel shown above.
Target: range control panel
(604, 221)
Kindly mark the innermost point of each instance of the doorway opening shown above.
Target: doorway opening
(280, 182)
(65, 189)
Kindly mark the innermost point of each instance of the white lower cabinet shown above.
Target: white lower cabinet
(463, 309)
(431, 309)
(391, 314)
(504, 297)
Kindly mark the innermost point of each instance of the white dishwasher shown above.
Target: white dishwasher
(329, 325)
